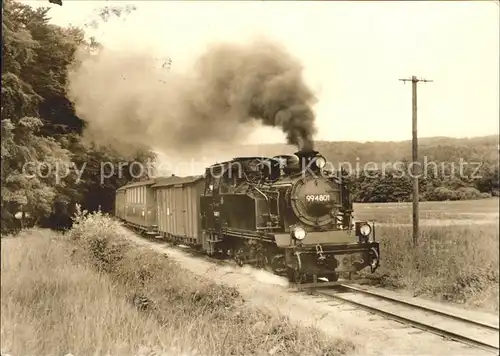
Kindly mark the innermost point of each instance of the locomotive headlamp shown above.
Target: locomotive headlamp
(299, 233)
(320, 162)
(365, 230)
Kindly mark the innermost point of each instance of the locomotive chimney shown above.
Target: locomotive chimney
(305, 157)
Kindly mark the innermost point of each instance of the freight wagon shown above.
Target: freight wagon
(178, 208)
(135, 203)
(166, 207)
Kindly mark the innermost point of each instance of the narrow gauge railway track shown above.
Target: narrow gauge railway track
(474, 333)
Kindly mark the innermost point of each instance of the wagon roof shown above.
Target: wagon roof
(174, 180)
(138, 184)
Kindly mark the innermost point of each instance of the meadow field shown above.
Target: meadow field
(92, 292)
(457, 254)
(433, 213)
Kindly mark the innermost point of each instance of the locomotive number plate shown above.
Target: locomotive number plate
(317, 197)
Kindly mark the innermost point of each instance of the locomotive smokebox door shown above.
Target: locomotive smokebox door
(315, 200)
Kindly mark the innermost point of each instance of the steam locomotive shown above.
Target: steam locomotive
(287, 213)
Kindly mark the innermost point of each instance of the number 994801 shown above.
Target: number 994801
(317, 197)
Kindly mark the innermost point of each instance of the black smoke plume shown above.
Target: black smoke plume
(131, 97)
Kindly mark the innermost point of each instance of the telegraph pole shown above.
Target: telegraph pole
(414, 152)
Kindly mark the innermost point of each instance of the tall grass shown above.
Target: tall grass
(92, 293)
(456, 263)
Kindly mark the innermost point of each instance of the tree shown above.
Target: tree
(29, 168)
(40, 130)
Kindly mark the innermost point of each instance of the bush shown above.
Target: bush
(463, 193)
(469, 193)
(208, 316)
(458, 263)
(99, 234)
(442, 194)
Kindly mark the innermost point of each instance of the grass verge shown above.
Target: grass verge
(93, 293)
(453, 263)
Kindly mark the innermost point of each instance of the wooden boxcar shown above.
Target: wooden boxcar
(178, 208)
(136, 204)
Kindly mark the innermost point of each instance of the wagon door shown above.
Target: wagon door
(179, 212)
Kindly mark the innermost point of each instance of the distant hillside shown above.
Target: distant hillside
(439, 149)
(446, 180)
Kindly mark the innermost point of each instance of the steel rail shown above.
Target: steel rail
(417, 324)
(421, 307)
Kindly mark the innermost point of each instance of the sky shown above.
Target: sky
(353, 53)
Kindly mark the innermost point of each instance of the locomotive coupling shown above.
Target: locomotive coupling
(321, 256)
(374, 259)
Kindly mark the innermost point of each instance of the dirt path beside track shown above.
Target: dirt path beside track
(372, 334)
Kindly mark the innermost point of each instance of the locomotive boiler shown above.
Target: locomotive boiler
(287, 213)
